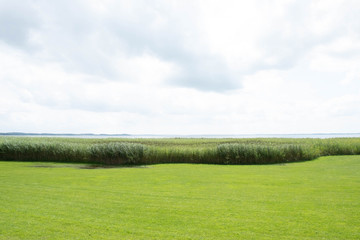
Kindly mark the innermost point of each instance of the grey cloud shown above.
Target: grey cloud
(199, 71)
(89, 42)
(206, 73)
(288, 47)
(86, 41)
(16, 21)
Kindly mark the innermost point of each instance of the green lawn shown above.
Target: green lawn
(318, 199)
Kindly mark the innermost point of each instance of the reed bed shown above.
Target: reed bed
(153, 151)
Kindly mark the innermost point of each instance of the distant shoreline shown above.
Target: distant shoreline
(125, 135)
(60, 134)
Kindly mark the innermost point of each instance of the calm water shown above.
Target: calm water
(315, 135)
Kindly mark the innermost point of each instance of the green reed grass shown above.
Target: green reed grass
(152, 151)
(43, 151)
(263, 154)
(117, 153)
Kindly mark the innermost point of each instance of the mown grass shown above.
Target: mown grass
(308, 200)
(153, 151)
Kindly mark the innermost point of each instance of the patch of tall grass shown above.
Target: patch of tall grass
(181, 155)
(43, 151)
(234, 153)
(117, 153)
(153, 151)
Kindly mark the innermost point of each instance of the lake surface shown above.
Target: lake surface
(314, 135)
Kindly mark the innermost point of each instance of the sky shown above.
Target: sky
(180, 66)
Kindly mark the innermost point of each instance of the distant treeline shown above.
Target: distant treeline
(153, 151)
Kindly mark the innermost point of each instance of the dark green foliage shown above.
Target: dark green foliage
(338, 147)
(180, 155)
(42, 151)
(233, 153)
(117, 153)
(153, 151)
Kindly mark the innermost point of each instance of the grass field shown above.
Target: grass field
(316, 199)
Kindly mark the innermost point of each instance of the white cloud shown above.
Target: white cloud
(186, 67)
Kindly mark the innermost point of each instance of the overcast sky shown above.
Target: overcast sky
(180, 67)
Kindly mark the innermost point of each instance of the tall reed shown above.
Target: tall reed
(234, 153)
(117, 153)
(43, 151)
(152, 151)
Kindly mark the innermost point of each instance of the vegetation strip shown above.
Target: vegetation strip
(153, 151)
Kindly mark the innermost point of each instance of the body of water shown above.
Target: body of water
(312, 135)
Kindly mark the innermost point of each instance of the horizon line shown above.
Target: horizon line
(171, 134)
